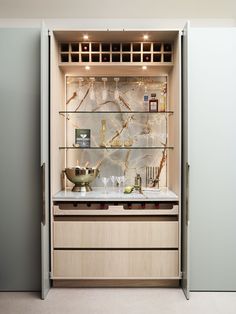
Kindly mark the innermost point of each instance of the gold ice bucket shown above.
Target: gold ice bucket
(81, 177)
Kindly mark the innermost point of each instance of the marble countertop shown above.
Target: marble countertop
(98, 194)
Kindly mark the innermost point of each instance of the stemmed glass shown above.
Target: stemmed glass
(104, 91)
(113, 180)
(123, 180)
(116, 92)
(92, 92)
(105, 180)
(119, 180)
(79, 90)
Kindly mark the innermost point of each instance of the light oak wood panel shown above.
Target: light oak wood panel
(116, 234)
(112, 264)
(135, 283)
(174, 123)
(68, 209)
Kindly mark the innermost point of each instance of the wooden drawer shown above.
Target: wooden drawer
(116, 234)
(97, 209)
(115, 264)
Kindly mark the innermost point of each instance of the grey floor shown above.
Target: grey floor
(114, 301)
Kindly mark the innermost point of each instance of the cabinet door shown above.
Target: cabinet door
(185, 164)
(44, 115)
(212, 156)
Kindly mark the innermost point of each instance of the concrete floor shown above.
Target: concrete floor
(114, 301)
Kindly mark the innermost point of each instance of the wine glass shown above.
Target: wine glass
(113, 180)
(123, 180)
(104, 91)
(105, 180)
(116, 92)
(79, 90)
(119, 180)
(92, 92)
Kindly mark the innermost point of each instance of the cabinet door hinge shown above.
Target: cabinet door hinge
(50, 275)
(181, 275)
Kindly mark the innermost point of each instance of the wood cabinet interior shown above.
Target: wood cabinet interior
(59, 72)
(62, 70)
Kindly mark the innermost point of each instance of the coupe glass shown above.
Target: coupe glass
(105, 181)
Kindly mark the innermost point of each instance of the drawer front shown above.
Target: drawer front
(116, 234)
(92, 264)
(81, 209)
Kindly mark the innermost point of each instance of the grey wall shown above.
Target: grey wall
(118, 9)
(20, 159)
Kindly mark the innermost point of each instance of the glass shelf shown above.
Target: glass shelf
(132, 147)
(131, 112)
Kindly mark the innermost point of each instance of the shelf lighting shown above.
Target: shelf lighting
(85, 37)
(145, 37)
(144, 67)
(87, 68)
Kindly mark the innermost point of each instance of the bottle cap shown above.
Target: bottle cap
(153, 95)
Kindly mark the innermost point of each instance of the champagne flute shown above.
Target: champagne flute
(113, 180)
(104, 91)
(92, 92)
(79, 90)
(119, 179)
(105, 180)
(116, 92)
(123, 180)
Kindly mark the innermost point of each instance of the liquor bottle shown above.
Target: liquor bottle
(103, 133)
(162, 105)
(138, 183)
(153, 103)
(145, 99)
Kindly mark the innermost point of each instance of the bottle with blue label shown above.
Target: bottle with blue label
(145, 99)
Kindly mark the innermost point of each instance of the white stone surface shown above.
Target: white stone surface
(98, 194)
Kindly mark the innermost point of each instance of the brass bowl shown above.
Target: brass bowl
(81, 177)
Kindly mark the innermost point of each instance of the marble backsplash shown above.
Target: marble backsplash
(111, 104)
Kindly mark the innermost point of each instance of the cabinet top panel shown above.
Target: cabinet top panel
(113, 36)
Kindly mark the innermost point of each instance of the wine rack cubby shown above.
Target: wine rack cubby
(104, 52)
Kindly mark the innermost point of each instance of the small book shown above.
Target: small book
(82, 137)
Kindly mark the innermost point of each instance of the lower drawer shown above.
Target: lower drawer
(116, 234)
(120, 264)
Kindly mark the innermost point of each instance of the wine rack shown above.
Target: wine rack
(104, 52)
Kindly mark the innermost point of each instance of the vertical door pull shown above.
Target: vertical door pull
(43, 214)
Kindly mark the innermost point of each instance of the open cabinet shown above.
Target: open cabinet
(115, 115)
